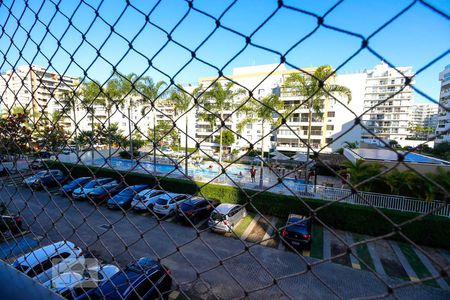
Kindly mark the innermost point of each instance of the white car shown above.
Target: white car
(145, 199)
(45, 263)
(168, 203)
(68, 283)
(99, 183)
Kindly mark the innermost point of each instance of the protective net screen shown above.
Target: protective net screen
(226, 149)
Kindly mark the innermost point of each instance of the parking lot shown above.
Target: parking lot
(202, 261)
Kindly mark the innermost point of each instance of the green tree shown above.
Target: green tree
(91, 94)
(164, 133)
(113, 134)
(182, 102)
(351, 145)
(265, 110)
(216, 100)
(227, 138)
(361, 171)
(51, 137)
(150, 92)
(314, 89)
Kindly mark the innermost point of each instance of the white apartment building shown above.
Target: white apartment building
(425, 116)
(34, 88)
(443, 125)
(387, 102)
(263, 80)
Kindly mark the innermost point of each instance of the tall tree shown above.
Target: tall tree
(150, 92)
(314, 89)
(92, 94)
(216, 100)
(182, 101)
(266, 110)
(68, 102)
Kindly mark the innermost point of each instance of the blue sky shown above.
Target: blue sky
(414, 39)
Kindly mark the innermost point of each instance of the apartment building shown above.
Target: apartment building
(387, 102)
(35, 89)
(423, 120)
(443, 125)
(330, 129)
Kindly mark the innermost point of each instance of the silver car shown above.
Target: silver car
(225, 216)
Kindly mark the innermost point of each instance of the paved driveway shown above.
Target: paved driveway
(205, 265)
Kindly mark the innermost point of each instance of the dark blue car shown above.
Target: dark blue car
(124, 198)
(47, 179)
(297, 232)
(142, 279)
(68, 188)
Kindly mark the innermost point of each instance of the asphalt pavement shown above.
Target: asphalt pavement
(204, 265)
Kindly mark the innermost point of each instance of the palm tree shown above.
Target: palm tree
(150, 92)
(91, 94)
(361, 170)
(68, 103)
(314, 89)
(350, 145)
(217, 99)
(265, 110)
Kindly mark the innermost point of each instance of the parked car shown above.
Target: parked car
(9, 223)
(101, 193)
(81, 192)
(297, 231)
(47, 178)
(167, 204)
(43, 154)
(72, 284)
(124, 198)
(196, 208)
(142, 279)
(145, 200)
(43, 263)
(68, 188)
(225, 216)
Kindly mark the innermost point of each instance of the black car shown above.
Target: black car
(124, 198)
(68, 188)
(195, 209)
(10, 223)
(297, 231)
(144, 278)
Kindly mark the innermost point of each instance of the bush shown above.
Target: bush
(429, 230)
(126, 154)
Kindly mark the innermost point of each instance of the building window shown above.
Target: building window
(330, 127)
(330, 114)
(260, 92)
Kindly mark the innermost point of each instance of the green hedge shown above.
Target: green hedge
(431, 230)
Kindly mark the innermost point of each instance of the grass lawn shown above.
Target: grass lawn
(243, 224)
(363, 253)
(416, 263)
(317, 241)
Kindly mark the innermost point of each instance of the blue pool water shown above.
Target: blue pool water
(413, 157)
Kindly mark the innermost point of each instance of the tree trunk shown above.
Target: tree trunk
(261, 181)
(186, 147)
(109, 133)
(92, 138)
(309, 143)
(76, 131)
(220, 138)
(154, 139)
(129, 130)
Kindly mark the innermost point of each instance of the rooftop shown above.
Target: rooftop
(390, 155)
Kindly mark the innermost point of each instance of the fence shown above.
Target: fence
(394, 202)
(79, 74)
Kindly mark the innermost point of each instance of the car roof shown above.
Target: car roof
(168, 196)
(197, 199)
(294, 218)
(225, 207)
(147, 191)
(31, 258)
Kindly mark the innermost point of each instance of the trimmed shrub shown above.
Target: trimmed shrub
(429, 230)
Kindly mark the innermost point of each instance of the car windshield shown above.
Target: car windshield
(187, 205)
(300, 226)
(217, 216)
(161, 201)
(127, 192)
(91, 184)
(22, 268)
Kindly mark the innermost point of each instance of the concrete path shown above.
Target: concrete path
(250, 227)
(376, 259)
(429, 265)
(269, 232)
(404, 261)
(353, 259)
(326, 243)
